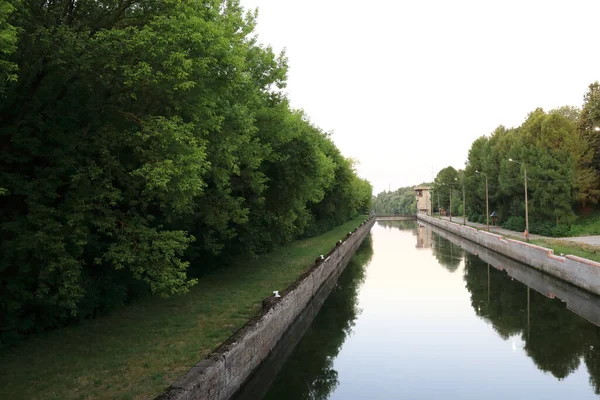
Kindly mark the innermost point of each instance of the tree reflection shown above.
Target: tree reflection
(592, 362)
(400, 225)
(505, 304)
(308, 373)
(447, 253)
(555, 338)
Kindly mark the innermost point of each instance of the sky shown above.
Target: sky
(407, 86)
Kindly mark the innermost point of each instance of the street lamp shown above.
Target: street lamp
(451, 187)
(526, 210)
(487, 208)
(464, 203)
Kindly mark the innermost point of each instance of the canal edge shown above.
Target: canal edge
(578, 271)
(224, 371)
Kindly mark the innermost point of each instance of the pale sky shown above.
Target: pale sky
(409, 85)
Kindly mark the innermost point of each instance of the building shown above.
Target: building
(423, 199)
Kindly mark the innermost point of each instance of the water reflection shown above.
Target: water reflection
(457, 321)
(448, 254)
(556, 339)
(400, 225)
(424, 237)
(308, 373)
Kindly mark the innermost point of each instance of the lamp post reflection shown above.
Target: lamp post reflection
(488, 293)
(528, 313)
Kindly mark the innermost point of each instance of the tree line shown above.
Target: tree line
(399, 201)
(143, 143)
(559, 151)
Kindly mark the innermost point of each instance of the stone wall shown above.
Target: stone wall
(578, 271)
(223, 372)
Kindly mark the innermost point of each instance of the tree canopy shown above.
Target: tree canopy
(400, 201)
(144, 141)
(559, 152)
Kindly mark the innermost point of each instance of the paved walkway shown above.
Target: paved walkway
(589, 240)
(494, 229)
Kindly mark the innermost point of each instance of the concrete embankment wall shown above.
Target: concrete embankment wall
(224, 371)
(578, 271)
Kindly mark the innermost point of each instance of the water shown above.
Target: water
(417, 316)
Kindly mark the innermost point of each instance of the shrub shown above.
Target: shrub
(514, 224)
(541, 228)
(561, 230)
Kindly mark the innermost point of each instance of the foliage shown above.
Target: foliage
(473, 217)
(589, 121)
(400, 201)
(140, 138)
(556, 339)
(144, 347)
(557, 150)
(8, 45)
(514, 223)
(446, 182)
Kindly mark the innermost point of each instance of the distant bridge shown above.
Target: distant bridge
(399, 217)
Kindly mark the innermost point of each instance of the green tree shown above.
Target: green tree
(142, 137)
(446, 181)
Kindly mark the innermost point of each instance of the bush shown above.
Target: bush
(543, 228)
(514, 224)
(473, 217)
(481, 219)
(561, 230)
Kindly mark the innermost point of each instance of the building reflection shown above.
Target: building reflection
(424, 237)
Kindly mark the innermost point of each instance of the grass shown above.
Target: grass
(587, 225)
(576, 249)
(139, 350)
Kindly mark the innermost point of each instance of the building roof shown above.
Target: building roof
(422, 188)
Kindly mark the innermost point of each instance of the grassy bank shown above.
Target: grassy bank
(565, 247)
(138, 350)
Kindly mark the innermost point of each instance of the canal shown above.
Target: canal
(418, 315)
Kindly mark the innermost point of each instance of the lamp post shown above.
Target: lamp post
(450, 204)
(451, 188)
(464, 205)
(431, 203)
(487, 209)
(526, 210)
